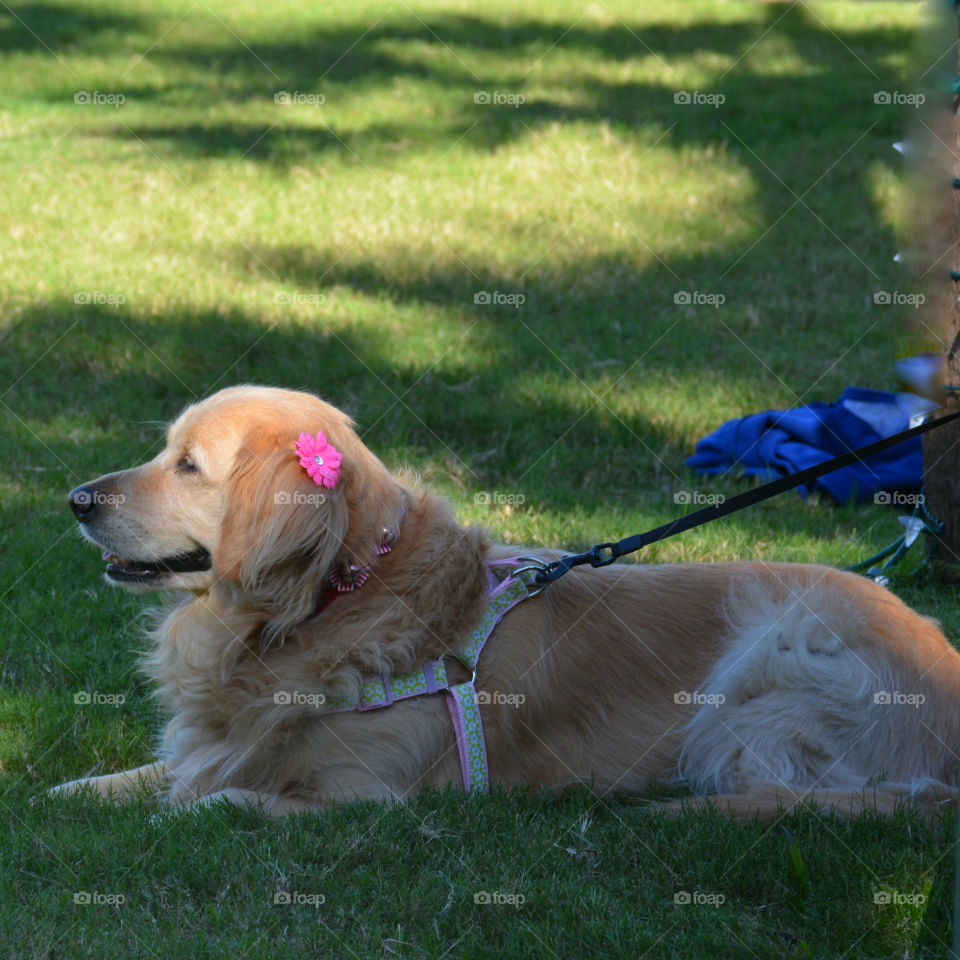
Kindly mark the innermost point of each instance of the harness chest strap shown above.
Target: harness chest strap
(462, 698)
(379, 691)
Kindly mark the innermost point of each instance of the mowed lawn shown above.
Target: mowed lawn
(536, 250)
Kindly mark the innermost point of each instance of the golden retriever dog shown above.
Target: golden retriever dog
(761, 685)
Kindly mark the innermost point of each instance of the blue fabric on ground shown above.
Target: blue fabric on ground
(777, 443)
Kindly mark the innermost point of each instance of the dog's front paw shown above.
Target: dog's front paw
(114, 786)
(83, 785)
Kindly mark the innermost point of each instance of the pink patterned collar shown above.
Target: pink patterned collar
(348, 577)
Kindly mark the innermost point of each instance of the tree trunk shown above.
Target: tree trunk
(941, 447)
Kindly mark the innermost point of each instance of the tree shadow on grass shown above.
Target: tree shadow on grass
(811, 126)
(122, 374)
(788, 106)
(610, 310)
(796, 123)
(253, 141)
(118, 371)
(55, 28)
(543, 395)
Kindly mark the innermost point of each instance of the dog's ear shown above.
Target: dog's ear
(282, 534)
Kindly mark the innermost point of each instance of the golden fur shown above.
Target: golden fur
(755, 682)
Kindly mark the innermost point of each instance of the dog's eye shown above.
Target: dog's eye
(186, 465)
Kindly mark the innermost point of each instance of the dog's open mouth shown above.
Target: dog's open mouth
(142, 571)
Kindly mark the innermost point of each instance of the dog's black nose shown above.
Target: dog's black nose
(82, 500)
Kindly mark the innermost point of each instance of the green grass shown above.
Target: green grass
(339, 248)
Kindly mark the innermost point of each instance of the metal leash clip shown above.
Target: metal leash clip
(601, 555)
(533, 563)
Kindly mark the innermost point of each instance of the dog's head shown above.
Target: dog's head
(227, 500)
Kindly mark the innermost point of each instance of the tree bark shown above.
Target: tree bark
(941, 447)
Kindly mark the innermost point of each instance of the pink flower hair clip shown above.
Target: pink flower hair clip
(320, 459)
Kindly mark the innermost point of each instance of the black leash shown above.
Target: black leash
(605, 553)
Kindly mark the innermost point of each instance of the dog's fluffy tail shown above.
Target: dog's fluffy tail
(836, 695)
